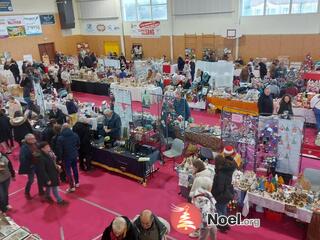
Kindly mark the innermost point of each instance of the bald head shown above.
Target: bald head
(146, 219)
(30, 139)
(65, 126)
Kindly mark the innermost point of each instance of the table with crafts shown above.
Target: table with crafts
(138, 91)
(99, 88)
(234, 105)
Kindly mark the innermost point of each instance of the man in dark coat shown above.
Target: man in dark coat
(48, 172)
(21, 127)
(263, 70)
(82, 128)
(112, 125)
(265, 103)
(120, 228)
(57, 114)
(68, 146)
(48, 132)
(5, 131)
(180, 63)
(181, 106)
(28, 160)
(150, 226)
(14, 68)
(222, 188)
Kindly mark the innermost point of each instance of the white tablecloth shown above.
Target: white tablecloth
(307, 113)
(301, 214)
(137, 92)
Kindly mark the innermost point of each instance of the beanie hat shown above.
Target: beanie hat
(228, 150)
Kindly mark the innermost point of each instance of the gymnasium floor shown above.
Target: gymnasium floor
(103, 195)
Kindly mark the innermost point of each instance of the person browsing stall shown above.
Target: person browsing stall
(57, 114)
(265, 103)
(112, 125)
(181, 106)
(121, 228)
(285, 105)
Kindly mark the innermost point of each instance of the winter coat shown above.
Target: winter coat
(222, 188)
(285, 107)
(71, 107)
(83, 131)
(7, 169)
(181, 63)
(25, 159)
(47, 170)
(114, 123)
(58, 116)
(263, 70)
(21, 127)
(265, 105)
(14, 69)
(68, 145)
(182, 108)
(5, 128)
(27, 85)
(131, 233)
(47, 134)
(203, 179)
(162, 229)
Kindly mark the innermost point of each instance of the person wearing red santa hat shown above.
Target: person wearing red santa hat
(222, 188)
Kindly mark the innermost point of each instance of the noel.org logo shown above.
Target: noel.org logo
(185, 218)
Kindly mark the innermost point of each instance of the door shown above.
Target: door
(47, 49)
(111, 47)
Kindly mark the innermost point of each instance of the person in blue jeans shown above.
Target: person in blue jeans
(27, 161)
(222, 188)
(48, 172)
(68, 145)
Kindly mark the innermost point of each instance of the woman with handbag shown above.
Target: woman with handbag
(49, 173)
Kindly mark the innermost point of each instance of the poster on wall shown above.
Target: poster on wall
(101, 27)
(6, 6)
(149, 29)
(18, 26)
(3, 28)
(32, 24)
(47, 19)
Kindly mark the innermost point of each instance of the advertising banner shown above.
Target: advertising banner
(149, 29)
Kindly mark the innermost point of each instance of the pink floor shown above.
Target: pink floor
(103, 195)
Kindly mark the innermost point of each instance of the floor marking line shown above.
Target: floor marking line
(61, 233)
(104, 209)
(97, 237)
(11, 194)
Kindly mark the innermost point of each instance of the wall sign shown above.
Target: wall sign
(18, 26)
(149, 29)
(101, 27)
(47, 19)
(6, 6)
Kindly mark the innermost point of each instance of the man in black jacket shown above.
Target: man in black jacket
(112, 125)
(57, 114)
(82, 128)
(149, 226)
(120, 228)
(14, 68)
(265, 103)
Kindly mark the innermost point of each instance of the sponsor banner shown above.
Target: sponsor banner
(17, 26)
(47, 19)
(101, 28)
(150, 29)
(6, 6)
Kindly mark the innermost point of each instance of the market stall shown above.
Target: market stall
(137, 91)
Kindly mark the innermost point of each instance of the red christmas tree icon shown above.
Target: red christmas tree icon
(185, 221)
(185, 218)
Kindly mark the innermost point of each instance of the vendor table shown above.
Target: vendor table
(301, 214)
(137, 92)
(311, 75)
(307, 113)
(125, 163)
(79, 85)
(240, 106)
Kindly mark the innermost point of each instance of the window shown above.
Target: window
(277, 7)
(252, 7)
(304, 6)
(274, 7)
(144, 10)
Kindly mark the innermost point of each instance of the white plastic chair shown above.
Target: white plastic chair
(175, 151)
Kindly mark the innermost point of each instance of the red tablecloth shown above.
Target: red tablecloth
(311, 75)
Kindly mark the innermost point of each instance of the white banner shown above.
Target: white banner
(149, 29)
(32, 24)
(3, 28)
(101, 27)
